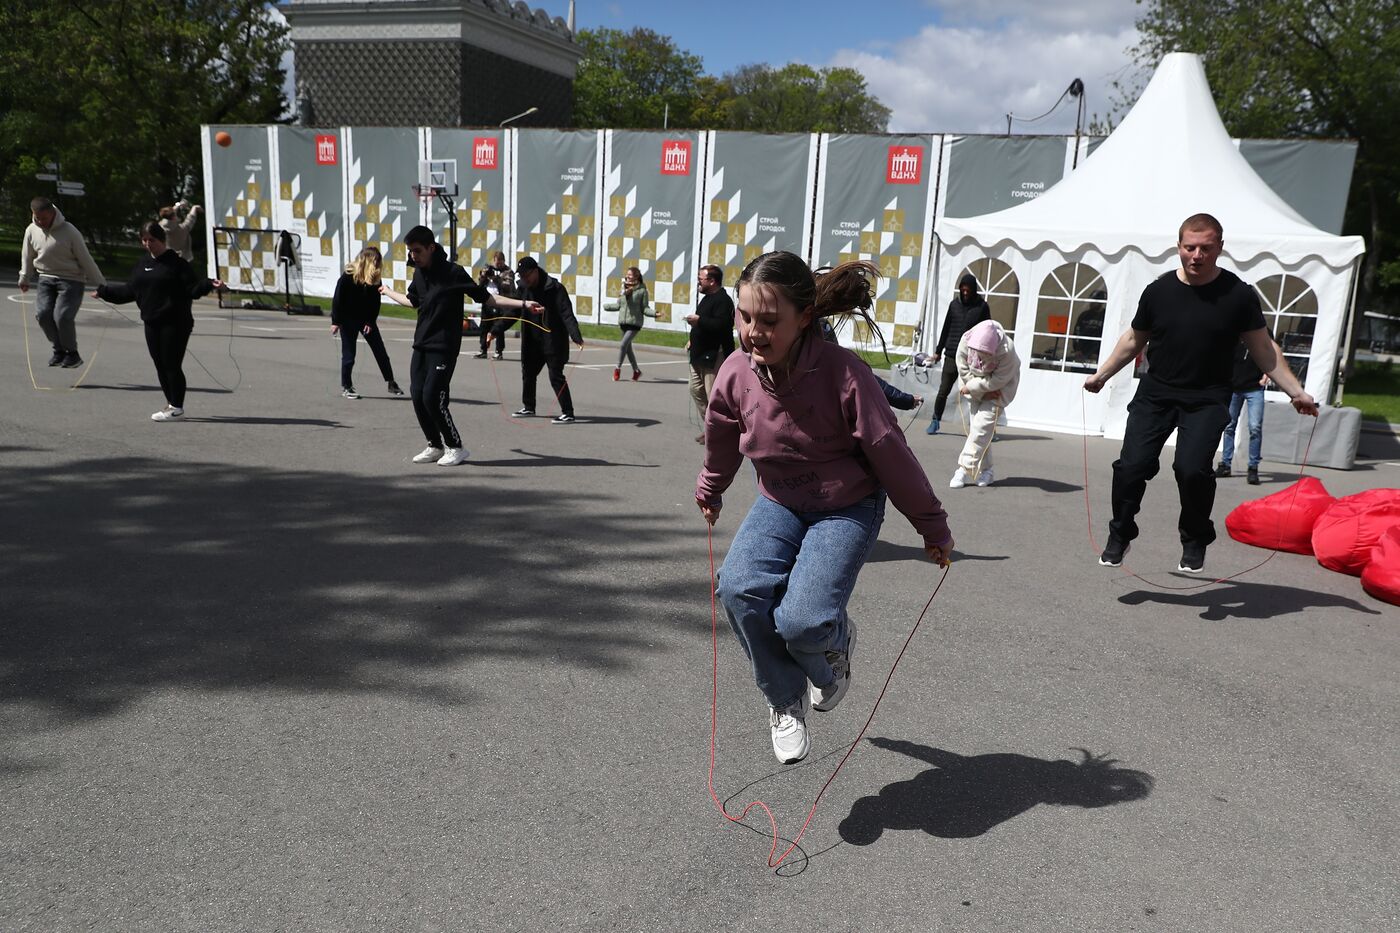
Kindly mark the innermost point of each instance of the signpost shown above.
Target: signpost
(72, 189)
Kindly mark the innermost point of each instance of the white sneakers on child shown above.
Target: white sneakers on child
(453, 456)
(429, 454)
(825, 699)
(959, 479)
(168, 413)
(789, 727)
(984, 478)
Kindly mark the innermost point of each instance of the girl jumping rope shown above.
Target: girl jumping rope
(827, 451)
(632, 312)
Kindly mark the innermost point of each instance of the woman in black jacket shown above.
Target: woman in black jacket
(164, 287)
(355, 311)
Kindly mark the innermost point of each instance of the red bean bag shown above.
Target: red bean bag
(1381, 578)
(1344, 535)
(1282, 521)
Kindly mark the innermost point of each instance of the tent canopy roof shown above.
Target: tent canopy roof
(1170, 157)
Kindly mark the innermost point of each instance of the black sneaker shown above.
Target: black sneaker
(1223, 470)
(71, 360)
(58, 357)
(393, 388)
(480, 356)
(523, 413)
(1114, 552)
(1193, 557)
(500, 355)
(1252, 477)
(563, 419)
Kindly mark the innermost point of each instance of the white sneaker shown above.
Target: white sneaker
(453, 456)
(829, 697)
(168, 413)
(984, 478)
(959, 479)
(789, 728)
(429, 454)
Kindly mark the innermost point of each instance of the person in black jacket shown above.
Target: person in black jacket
(967, 309)
(711, 336)
(164, 287)
(355, 311)
(544, 338)
(437, 290)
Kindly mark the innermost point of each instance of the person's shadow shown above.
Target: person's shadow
(1245, 600)
(966, 795)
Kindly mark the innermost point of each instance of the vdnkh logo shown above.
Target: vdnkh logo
(483, 152)
(675, 157)
(905, 165)
(325, 150)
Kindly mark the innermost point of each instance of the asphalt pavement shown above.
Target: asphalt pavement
(258, 671)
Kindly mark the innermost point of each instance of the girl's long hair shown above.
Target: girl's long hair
(364, 269)
(844, 292)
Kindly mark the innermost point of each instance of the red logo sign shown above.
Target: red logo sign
(906, 165)
(675, 157)
(483, 152)
(325, 150)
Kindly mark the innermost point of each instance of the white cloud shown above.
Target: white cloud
(1098, 15)
(966, 78)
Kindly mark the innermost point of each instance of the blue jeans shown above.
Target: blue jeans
(1255, 398)
(60, 299)
(785, 584)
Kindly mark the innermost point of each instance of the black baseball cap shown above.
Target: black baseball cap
(526, 264)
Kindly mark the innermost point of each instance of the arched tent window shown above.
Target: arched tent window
(1069, 318)
(999, 287)
(1290, 313)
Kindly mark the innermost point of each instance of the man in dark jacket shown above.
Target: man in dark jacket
(544, 338)
(711, 336)
(963, 312)
(437, 290)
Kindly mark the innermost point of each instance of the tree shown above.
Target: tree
(630, 80)
(115, 91)
(1304, 68)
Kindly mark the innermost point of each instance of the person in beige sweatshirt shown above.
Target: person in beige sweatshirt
(53, 251)
(177, 231)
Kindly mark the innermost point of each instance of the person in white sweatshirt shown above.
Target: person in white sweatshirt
(53, 251)
(990, 370)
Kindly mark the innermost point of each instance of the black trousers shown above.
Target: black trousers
(945, 385)
(430, 383)
(532, 360)
(166, 343)
(494, 324)
(1151, 420)
(348, 336)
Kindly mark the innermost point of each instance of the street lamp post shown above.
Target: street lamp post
(525, 113)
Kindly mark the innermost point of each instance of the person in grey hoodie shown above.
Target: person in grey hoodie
(53, 251)
(827, 452)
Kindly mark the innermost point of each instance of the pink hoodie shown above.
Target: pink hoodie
(825, 441)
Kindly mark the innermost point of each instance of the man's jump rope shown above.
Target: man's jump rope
(714, 647)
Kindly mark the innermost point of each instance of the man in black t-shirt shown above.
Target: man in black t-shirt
(711, 336)
(1189, 322)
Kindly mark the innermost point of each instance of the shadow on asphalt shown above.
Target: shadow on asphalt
(124, 578)
(552, 460)
(964, 796)
(132, 387)
(1033, 482)
(885, 552)
(1244, 600)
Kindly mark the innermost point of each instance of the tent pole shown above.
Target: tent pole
(1339, 385)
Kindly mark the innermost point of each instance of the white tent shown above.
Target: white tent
(1064, 271)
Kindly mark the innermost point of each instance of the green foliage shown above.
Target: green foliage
(628, 79)
(1302, 68)
(115, 91)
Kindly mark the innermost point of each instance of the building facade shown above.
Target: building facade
(431, 63)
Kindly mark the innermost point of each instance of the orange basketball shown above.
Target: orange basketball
(223, 139)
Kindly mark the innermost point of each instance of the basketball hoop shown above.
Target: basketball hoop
(437, 180)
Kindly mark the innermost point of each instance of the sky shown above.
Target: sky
(939, 65)
(946, 66)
